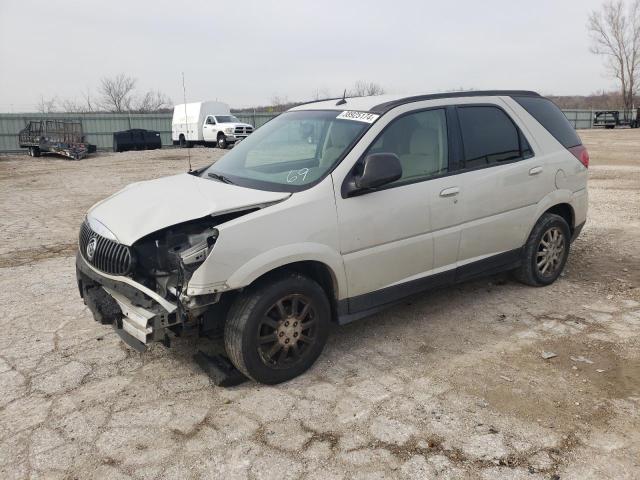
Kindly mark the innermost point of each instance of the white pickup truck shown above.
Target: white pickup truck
(206, 123)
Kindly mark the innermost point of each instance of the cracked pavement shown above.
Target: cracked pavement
(449, 384)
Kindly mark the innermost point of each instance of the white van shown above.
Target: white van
(206, 123)
(332, 211)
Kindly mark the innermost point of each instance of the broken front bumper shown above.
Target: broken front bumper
(139, 315)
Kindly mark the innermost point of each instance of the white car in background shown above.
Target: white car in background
(207, 123)
(332, 211)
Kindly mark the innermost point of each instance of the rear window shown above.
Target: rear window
(551, 118)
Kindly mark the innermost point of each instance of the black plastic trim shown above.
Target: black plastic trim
(360, 306)
(385, 107)
(576, 231)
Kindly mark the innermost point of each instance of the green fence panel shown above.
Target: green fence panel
(99, 127)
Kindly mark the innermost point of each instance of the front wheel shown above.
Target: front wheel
(222, 141)
(276, 329)
(545, 253)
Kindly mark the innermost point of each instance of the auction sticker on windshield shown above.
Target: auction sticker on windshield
(358, 116)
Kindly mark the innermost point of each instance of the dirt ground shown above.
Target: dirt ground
(451, 384)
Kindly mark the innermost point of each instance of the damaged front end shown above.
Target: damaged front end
(141, 289)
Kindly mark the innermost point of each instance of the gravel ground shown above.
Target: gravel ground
(451, 384)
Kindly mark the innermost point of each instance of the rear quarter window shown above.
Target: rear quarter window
(551, 118)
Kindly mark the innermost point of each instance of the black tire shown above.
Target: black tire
(222, 141)
(287, 308)
(182, 142)
(553, 258)
(34, 151)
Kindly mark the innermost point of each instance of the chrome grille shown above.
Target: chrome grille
(109, 256)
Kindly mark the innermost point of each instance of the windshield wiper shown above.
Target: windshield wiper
(220, 178)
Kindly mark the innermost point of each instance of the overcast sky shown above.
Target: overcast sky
(246, 52)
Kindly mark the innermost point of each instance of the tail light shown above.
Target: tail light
(580, 152)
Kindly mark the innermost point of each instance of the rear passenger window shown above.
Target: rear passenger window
(489, 136)
(420, 141)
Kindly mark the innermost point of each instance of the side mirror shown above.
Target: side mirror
(377, 169)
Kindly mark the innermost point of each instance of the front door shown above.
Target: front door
(385, 234)
(209, 131)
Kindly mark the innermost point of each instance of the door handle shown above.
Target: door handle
(535, 171)
(449, 192)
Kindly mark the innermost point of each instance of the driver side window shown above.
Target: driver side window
(420, 141)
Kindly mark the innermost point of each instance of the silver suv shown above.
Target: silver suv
(332, 211)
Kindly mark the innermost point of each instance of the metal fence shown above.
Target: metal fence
(99, 127)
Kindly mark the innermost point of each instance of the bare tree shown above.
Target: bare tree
(116, 93)
(615, 34)
(46, 105)
(152, 101)
(321, 94)
(365, 89)
(72, 106)
(88, 100)
(278, 102)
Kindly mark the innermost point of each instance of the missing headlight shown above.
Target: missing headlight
(196, 254)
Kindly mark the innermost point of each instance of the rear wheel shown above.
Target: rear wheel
(34, 151)
(276, 329)
(546, 251)
(182, 141)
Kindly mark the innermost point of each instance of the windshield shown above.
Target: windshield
(226, 119)
(290, 152)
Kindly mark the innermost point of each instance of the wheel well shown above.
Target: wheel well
(181, 135)
(220, 134)
(317, 271)
(565, 211)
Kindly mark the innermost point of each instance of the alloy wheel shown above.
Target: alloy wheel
(551, 252)
(287, 331)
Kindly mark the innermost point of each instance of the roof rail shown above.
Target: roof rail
(385, 107)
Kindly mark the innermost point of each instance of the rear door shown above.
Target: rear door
(500, 181)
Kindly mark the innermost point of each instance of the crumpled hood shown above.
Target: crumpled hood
(145, 207)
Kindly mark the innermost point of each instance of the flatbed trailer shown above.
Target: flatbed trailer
(55, 136)
(617, 118)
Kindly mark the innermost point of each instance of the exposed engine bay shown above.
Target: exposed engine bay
(150, 300)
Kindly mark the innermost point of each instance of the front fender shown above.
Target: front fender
(278, 257)
(285, 255)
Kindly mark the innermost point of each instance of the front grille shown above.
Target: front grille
(243, 130)
(239, 130)
(109, 256)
